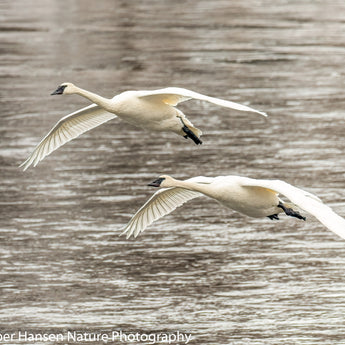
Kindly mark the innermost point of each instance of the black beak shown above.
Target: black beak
(59, 90)
(156, 183)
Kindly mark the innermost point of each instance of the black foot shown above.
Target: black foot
(190, 134)
(273, 216)
(290, 212)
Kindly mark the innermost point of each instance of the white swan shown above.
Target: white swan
(151, 110)
(254, 198)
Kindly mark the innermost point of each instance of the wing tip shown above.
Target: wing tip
(262, 113)
(25, 165)
(130, 232)
(126, 232)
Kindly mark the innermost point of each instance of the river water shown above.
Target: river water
(222, 277)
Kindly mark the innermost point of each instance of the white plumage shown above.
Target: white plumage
(252, 197)
(151, 110)
(68, 128)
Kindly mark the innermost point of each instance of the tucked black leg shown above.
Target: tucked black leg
(290, 212)
(273, 216)
(190, 134)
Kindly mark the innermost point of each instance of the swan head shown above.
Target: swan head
(65, 89)
(164, 181)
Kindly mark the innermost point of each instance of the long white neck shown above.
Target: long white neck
(103, 102)
(203, 188)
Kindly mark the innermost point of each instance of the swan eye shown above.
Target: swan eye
(59, 90)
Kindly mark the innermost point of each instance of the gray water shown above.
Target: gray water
(223, 277)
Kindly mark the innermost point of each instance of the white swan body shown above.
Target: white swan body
(150, 110)
(252, 197)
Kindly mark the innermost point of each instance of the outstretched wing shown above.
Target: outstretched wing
(163, 202)
(175, 95)
(306, 201)
(68, 128)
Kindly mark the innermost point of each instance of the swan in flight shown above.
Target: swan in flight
(151, 110)
(252, 197)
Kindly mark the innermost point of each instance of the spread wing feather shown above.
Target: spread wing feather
(175, 95)
(161, 203)
(68, 128)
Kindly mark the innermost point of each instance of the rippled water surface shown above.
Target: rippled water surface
(223, 277)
